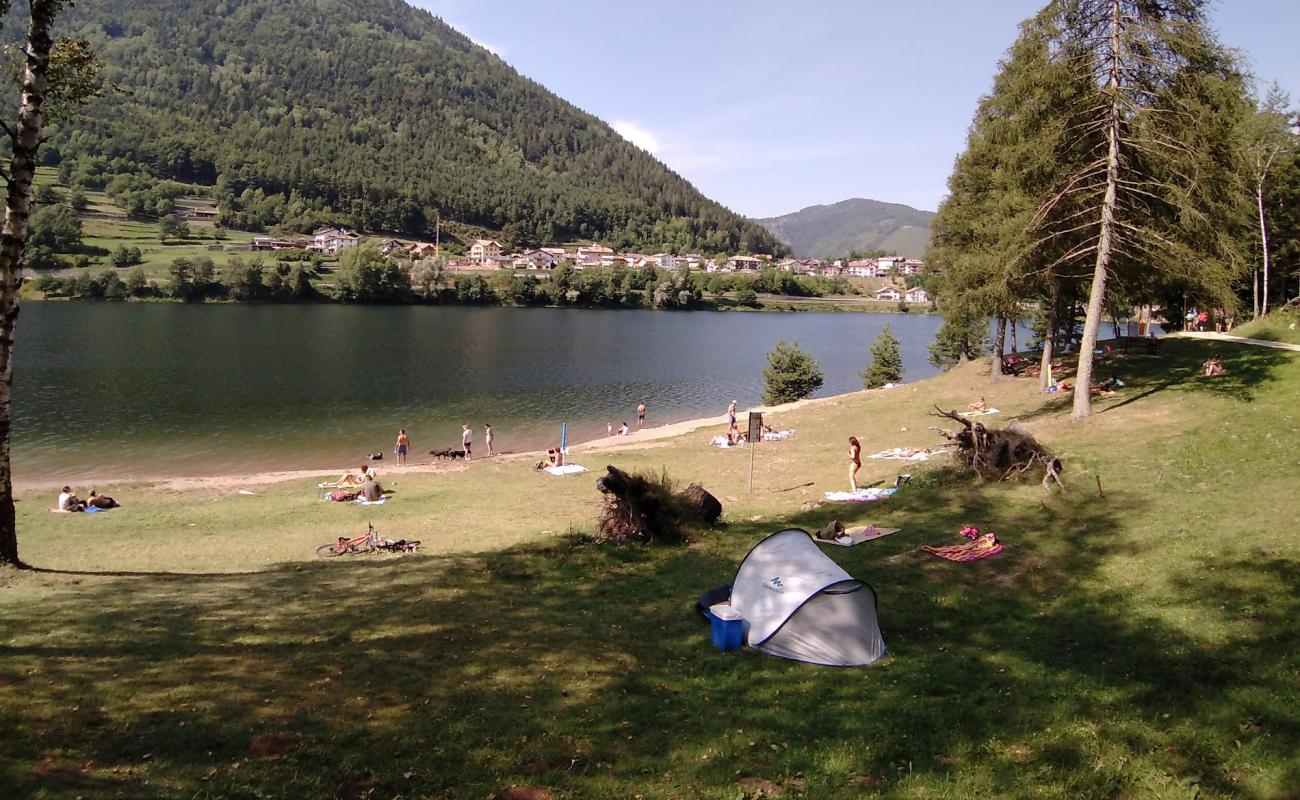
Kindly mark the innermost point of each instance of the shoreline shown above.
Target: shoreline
(638, 440)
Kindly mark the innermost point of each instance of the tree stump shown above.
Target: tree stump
(702, 504)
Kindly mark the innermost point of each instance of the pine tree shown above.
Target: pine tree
(791, 374)
(886, 361)
(1157, 195)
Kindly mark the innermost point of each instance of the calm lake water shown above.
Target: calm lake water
(144, 390)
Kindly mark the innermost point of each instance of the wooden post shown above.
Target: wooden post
(755, 436)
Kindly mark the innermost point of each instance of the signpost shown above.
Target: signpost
(755, 436)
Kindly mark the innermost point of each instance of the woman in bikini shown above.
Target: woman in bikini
(855, 462)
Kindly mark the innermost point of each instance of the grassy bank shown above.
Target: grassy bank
(1140, 644)
(1279, 326)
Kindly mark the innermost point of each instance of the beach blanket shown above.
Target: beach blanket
(903, 454)
(777, 436)
(361, 501)
(858, 535)
(983, 547)
(983, 413)
(860, 496)
(566, 469)
(721, 441)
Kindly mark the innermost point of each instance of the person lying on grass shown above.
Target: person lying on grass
(101, 501)
(348, 479)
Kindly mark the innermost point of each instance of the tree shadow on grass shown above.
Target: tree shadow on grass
(583, 669)
(1180, 368)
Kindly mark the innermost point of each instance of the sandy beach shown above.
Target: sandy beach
(656, 436)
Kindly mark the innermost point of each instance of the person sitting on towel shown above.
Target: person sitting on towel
(733, 435)
(370, 491)
(69, 502)
(979, 406)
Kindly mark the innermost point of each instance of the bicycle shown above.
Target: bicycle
(369, 542)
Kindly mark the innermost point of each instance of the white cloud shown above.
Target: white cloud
(637, 134)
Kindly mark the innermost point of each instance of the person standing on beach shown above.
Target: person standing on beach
(466, 438)
(487, 438)
(731, 413)
(402, 446)
(855, 462)
(640, 415)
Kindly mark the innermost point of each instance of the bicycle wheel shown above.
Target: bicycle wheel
(328, 551)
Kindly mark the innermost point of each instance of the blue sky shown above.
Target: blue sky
(769, 107)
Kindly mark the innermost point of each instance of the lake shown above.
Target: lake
(142, 390)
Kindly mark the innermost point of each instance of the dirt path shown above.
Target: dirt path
(1227, 337)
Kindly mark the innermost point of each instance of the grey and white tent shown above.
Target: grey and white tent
(799, 604)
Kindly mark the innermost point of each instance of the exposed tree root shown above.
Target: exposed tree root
(1000, 453)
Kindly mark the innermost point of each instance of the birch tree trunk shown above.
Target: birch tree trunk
(26, 140)
(1096, 296)
(1049, 341)
(1261, 301)
(999, 349)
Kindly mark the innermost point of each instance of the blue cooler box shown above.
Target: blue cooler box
(726, 626)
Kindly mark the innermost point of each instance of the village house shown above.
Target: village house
(744, 264)
(484, 249)
(917, 295)
(590, 256)
(861, 268)
(333, 241)
(419, 250)
(888, 293)
(392, 247)
(664, 261)
(536, 259)
(911, 266)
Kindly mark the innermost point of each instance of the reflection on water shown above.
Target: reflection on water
(154, 389)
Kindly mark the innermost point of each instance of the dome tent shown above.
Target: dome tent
(799, 604)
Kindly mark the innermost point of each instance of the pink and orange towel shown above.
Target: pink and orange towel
(982, 546)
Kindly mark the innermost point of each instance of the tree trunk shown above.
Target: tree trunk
(1096, 296)
(999, 336)
(26, 140)
(1049, 341)
(1261, 301)
(1015, 348)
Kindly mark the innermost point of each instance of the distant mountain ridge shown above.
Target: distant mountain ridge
(370, 113)
(829, 231)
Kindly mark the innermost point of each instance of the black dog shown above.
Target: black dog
(447, 453)
(376, 456)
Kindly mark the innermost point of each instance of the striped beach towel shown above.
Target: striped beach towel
(983, 547)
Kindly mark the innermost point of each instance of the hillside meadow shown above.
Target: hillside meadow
(1138, 638)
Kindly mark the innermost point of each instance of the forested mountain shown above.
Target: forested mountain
(857, 224)
(367, 112)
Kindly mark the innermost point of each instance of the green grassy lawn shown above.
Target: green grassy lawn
(1279, 326)
(1140, 644)
(105, 226)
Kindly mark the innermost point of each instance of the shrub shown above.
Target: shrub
(791, 374)
(747, 297)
